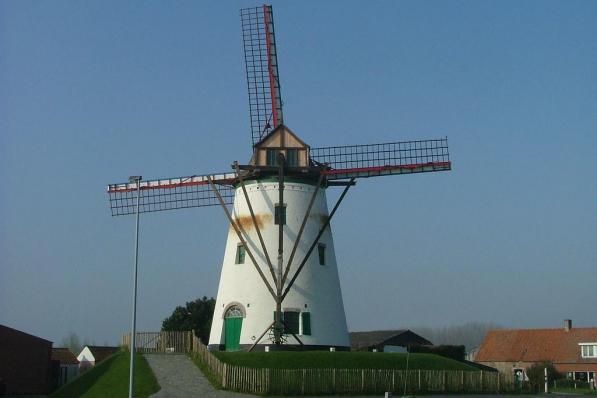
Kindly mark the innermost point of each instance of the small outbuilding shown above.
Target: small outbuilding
(91, 355)
(68, 363)
(385, 340)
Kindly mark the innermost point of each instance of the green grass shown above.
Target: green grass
(340, 360)
(110, 378)
(583, 391)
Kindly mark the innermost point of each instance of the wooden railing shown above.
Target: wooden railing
(160, 342)
(350, 381)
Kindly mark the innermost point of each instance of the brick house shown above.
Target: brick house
(573, 351)
(25, 362)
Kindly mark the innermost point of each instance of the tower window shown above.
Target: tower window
(280, 214)
(321, 252)
(272, 156)
(292, 157)
(241, 250)
(291, 322)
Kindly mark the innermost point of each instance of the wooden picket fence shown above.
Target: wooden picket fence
(160, 342)
(350, 381)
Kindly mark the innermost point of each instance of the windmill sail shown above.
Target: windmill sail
(170, 193)
(261, 65)
(372, 160)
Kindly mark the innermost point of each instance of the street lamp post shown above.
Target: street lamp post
(136, 180)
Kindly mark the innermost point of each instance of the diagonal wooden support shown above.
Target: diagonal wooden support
(294, 335)
(278, 325)
(302, 228)
(240, 237)
(261, 336)
(321, 231)
(269, 262)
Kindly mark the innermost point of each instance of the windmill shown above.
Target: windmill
(279, 284)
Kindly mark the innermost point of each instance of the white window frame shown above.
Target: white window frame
(582, 354)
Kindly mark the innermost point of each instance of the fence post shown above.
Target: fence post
(362, 380)
(462, 380)
(419, 381)
(334, 380)
(224, 372)
(481, 376)
(444, 381)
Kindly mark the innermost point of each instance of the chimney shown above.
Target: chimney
(567, 324)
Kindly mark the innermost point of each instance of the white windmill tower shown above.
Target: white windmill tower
(279, 284)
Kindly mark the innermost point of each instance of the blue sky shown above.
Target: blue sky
(92, 92)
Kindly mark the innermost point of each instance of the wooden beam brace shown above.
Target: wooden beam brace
(269, 262)
(339, 183)
(302, 228)
(321, 231)
(261, 336)
(295, 336)
(240, 237)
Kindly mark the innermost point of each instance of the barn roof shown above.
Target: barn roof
(535, 345)
(6, 331)
(102, 352)
(376, 338)
(64, 356)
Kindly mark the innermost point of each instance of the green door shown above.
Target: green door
(232, 328)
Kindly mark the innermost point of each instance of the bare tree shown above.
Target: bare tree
(73, 342)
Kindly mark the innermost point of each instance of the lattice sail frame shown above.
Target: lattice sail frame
(261, 66)
(372, 160)
(170, 194)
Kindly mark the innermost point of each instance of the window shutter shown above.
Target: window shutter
(306, 323)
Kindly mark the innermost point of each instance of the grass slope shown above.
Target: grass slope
(110, 378)
(572, 390)
(340, 360)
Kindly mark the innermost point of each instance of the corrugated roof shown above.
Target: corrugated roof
(535, 345)
(382, 337)
(64, 355)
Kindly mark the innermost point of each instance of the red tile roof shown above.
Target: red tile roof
(64, 356)
(535, 345)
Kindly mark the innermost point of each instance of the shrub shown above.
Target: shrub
(536, 374)
(569, 383)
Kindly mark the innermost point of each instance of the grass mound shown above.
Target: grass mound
(340, 360)
(110, 378)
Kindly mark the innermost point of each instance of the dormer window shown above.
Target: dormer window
(292, 157)
(272, 157)
(588, 350)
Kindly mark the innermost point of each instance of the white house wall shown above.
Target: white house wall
(316, 290)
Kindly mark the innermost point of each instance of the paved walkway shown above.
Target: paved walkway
(180, 378)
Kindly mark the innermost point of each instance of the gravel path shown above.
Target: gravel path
(180, 378)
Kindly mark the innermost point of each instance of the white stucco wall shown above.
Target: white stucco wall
(316, 290)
